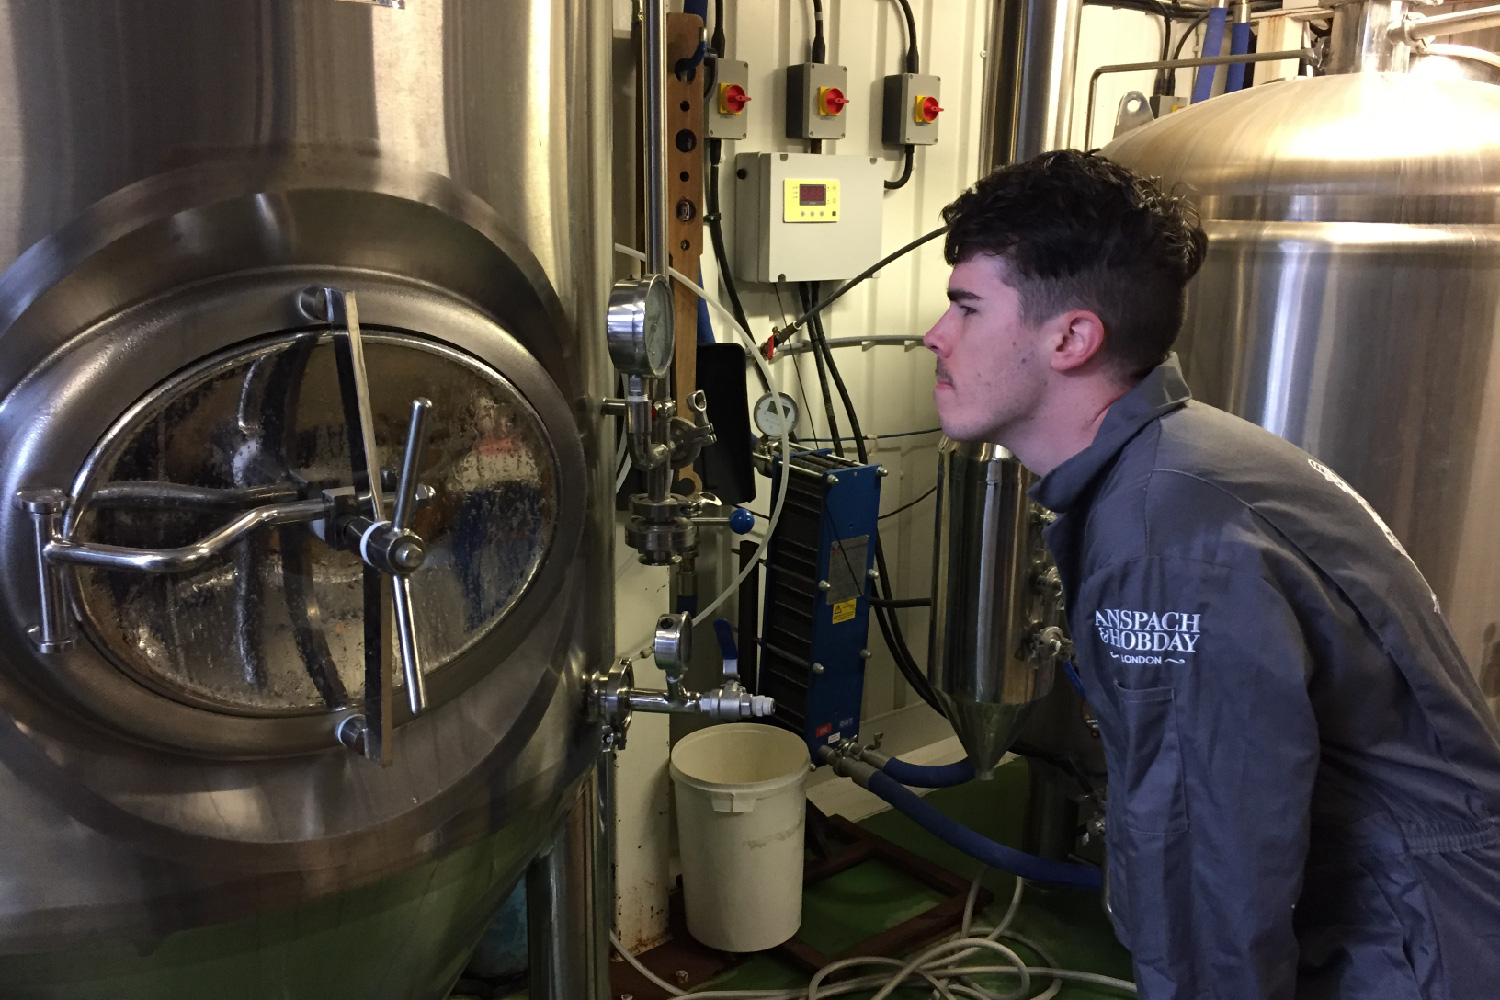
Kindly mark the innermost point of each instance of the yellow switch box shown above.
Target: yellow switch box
(808, 200)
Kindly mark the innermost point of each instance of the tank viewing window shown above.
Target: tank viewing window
(274, 625)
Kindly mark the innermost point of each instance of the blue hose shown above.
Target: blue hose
(982, 849)
(692, 62)
(1239, 44)
(1213, 40)
(921, 776)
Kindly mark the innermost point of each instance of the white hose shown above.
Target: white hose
(786, 446)
(939, 966)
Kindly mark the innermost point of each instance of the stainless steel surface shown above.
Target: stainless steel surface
(56, 630)
(183, 558)
(1030, 59)
(1349, 297)
(403, 517)
(1447, 23)
(343, 310)
(1461, 56)
(569, 899)
(654, 107)
(1463, 62)
(1254, 57)
(1365, 37)
(992, 600)
(175, 173)
(640, 326)
(672, 643)
(499, 505)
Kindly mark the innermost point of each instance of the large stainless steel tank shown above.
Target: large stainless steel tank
(177, 818)
(1350, 300)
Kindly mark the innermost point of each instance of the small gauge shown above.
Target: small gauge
(775, 413)
(641, 327)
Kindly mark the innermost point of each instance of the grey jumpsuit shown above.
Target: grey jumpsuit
(1304, 780)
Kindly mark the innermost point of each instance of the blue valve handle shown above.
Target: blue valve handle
(740, 521)
(725, 632)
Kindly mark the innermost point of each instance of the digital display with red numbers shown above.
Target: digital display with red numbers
(813, 194)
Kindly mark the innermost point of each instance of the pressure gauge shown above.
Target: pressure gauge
(775, 413)
(640, 326)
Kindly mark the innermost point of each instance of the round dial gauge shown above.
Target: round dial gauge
(775, 413)
(640, 326)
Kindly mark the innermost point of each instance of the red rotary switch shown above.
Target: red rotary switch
(927, 109)
(831, 101)
(732, 99)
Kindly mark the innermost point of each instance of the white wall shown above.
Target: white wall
(891, 386)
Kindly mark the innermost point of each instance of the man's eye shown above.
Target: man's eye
(967, 311)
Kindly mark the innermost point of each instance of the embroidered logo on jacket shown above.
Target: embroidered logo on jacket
(1148, 636)
(1390, 536)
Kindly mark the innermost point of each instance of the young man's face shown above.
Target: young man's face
(990, 372)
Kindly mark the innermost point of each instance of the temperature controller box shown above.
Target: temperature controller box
(805, 216)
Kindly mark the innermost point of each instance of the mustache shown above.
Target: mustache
(942, 373)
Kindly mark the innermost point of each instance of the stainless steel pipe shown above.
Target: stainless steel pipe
(1030, 58)
(654, 109)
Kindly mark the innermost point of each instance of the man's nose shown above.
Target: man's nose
(934, 339)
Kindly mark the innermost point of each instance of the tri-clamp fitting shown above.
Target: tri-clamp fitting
(614, 697)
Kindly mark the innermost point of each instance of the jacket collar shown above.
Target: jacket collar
(1159, 393)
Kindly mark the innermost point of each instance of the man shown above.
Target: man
(1304, 784)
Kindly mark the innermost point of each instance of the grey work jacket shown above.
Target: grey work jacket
(1304, 780)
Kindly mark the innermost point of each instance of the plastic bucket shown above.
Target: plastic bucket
(740, 811)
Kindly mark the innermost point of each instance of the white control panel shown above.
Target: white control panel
(805, 216)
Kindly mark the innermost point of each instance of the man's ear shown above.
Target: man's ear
(1077, 338)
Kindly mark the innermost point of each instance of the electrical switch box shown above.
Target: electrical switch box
(805, 216)
(726, 107)
(816, 95)
(910, 113)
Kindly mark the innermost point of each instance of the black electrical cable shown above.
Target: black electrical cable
(784, 334)
(913, 63)
(910, 504)
(908, 159)
(1192, 29)
(715, 221)
(712, 214)
(1181, 42)
(819, 43)
(901, 602)
(716, 41)
(808, 296)
(890, 625)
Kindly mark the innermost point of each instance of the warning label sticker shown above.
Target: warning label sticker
(844, 610)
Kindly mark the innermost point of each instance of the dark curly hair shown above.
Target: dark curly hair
(1081, 232)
